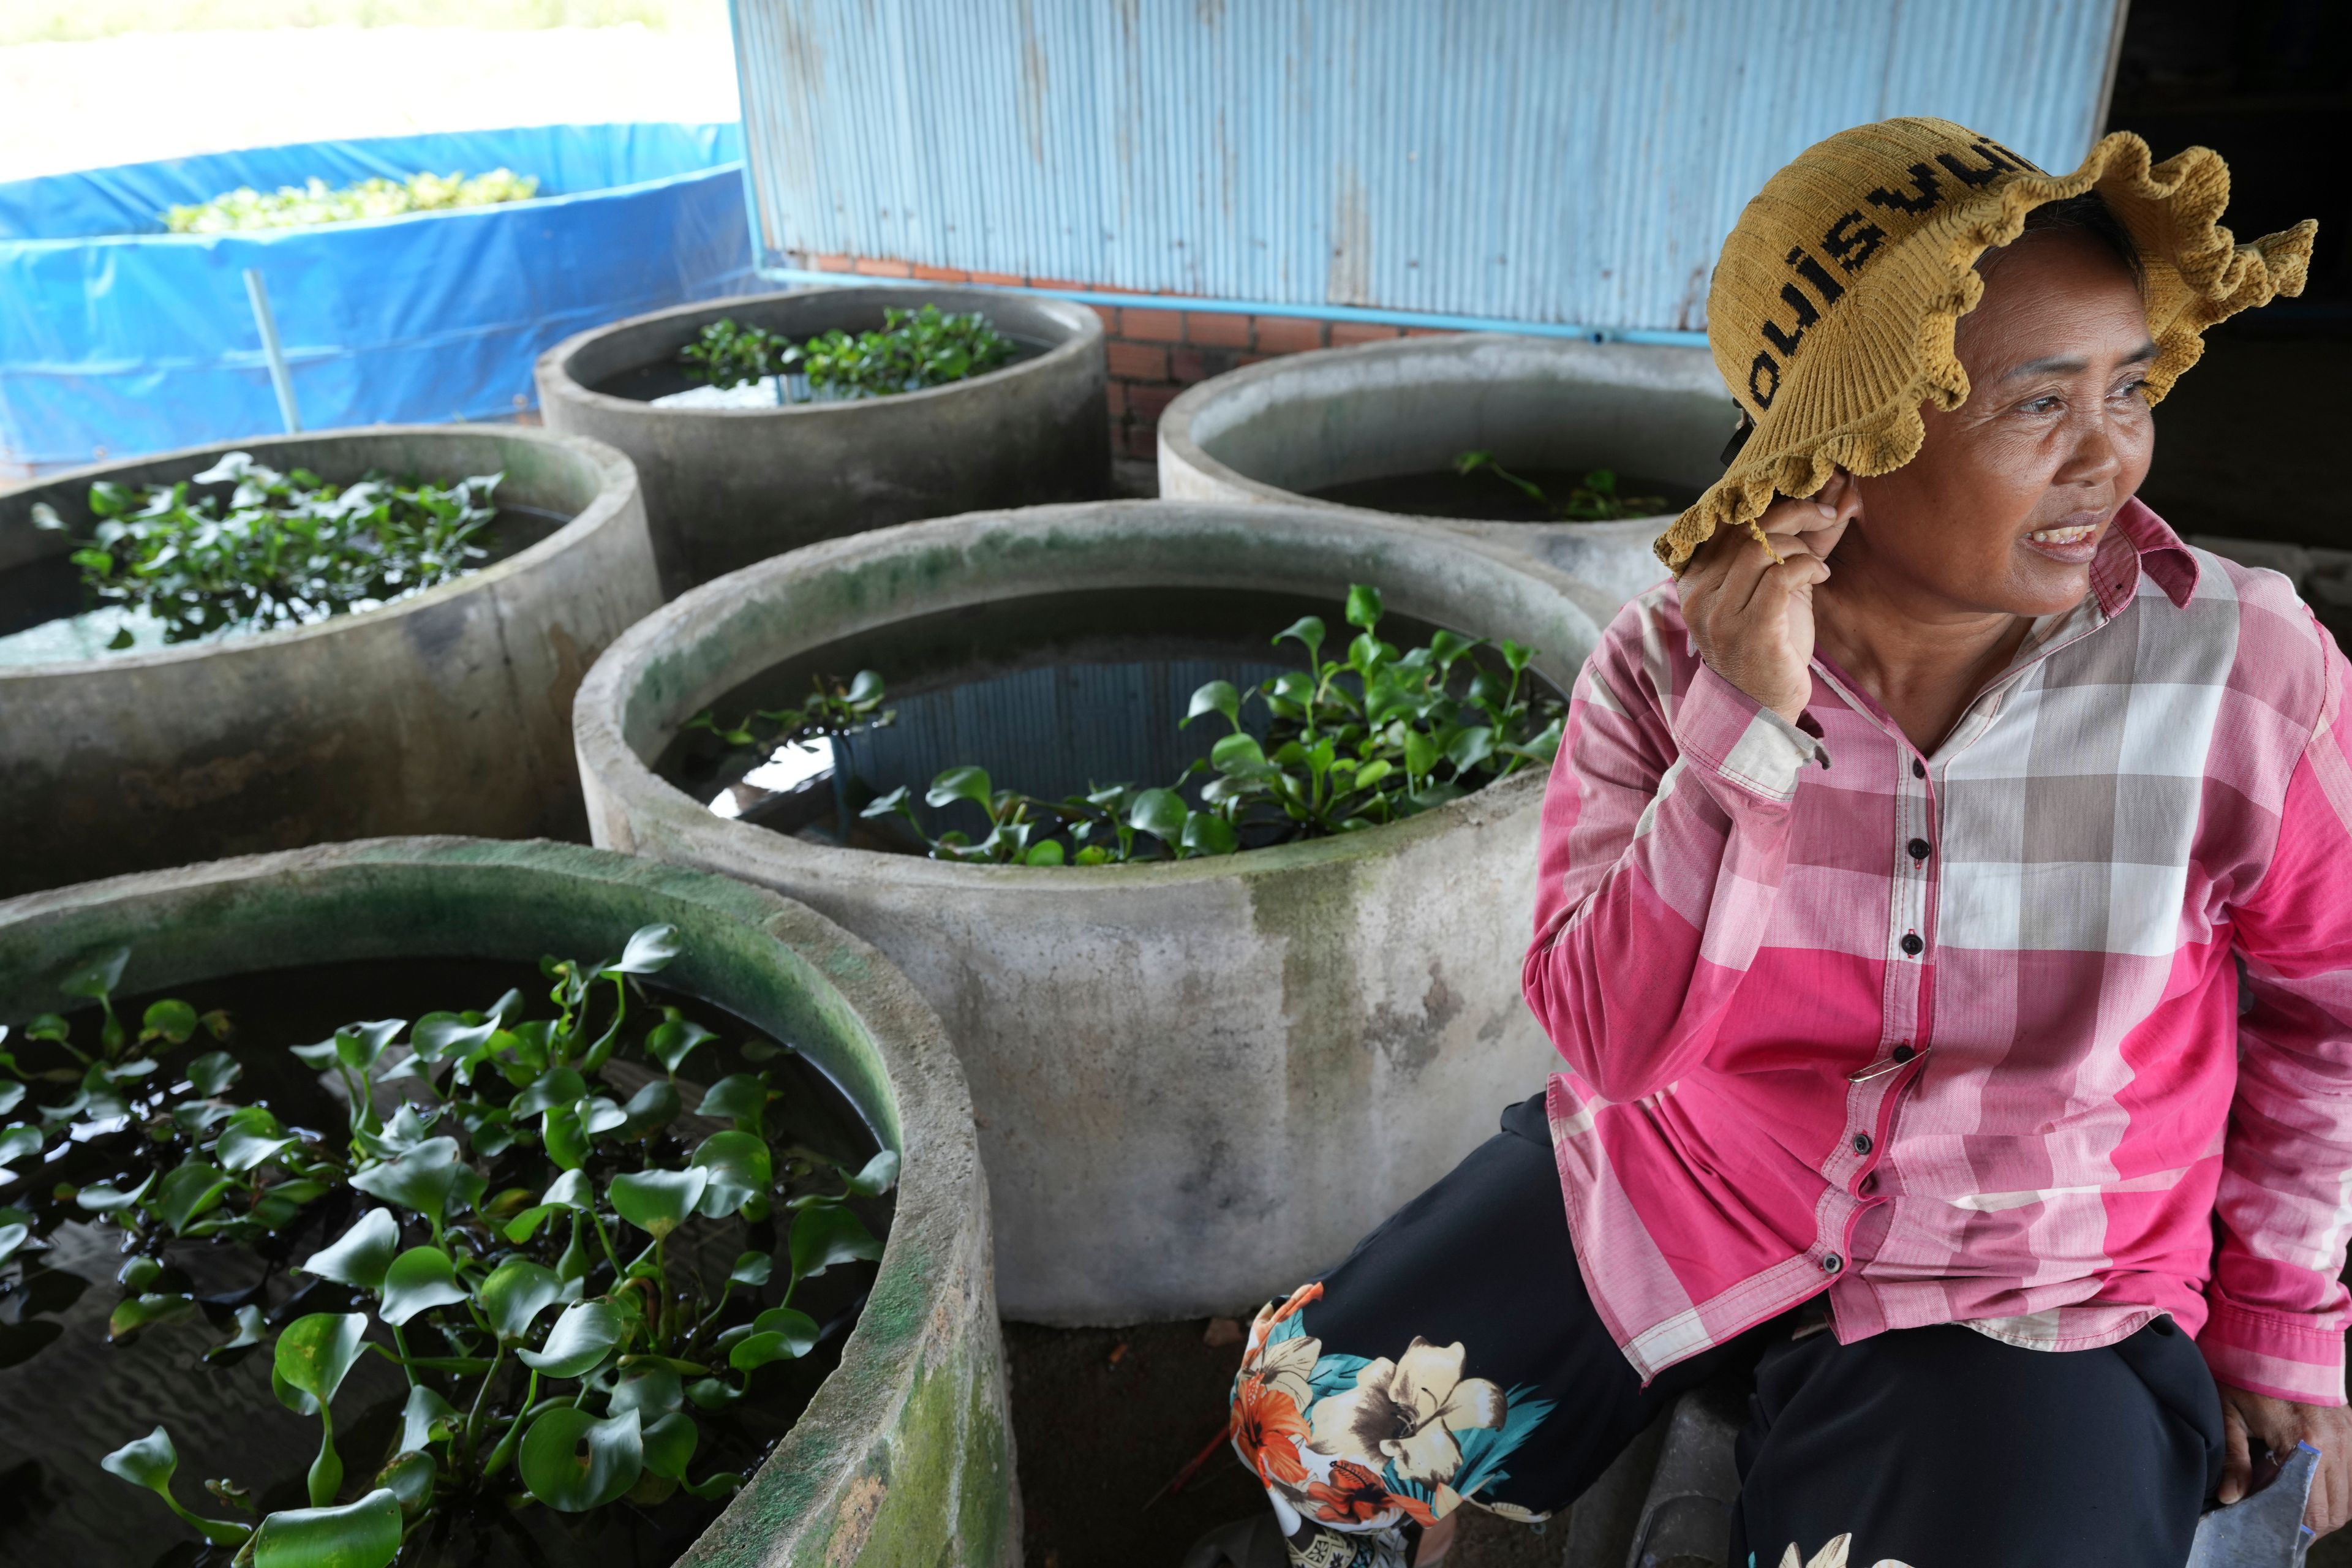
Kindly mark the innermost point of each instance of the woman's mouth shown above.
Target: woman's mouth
(2073, 545)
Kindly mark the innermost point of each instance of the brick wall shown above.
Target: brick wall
(1155, 352)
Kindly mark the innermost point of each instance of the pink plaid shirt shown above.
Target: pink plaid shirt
(1958, 1036)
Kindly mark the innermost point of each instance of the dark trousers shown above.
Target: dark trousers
(1455, 1356)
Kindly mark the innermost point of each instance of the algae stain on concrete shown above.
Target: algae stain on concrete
(1411, 1039)
(1309, 914)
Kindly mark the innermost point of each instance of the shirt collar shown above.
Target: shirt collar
(2141, 541)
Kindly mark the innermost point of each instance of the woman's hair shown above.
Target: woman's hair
(2089, 216)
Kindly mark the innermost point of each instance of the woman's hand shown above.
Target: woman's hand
(1753, 620)
(2279, 1425)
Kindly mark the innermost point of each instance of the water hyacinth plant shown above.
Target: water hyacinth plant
(288, 549)
(1594, 501)
(915, 348)
(301, 206)
(546, 1264)
(1349, 742)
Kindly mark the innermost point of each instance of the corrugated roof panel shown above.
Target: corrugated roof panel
(1531, 160)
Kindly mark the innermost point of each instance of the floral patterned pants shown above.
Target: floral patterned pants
(1456, 1357)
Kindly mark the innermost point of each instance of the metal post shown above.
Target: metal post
(280, 378)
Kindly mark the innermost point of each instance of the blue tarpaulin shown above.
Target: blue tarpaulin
(117, 338)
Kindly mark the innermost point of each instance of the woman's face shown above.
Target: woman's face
(2010, 494)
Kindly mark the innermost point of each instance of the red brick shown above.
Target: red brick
(1217, 328)
(1000, 280)
(1116, 396)
(1288, 334)
(942, 274)
(1061, 283)
(1110, 314)
(1241, 359)
(831, 264)
(1428, 331)
(1189, 366)
(1143, 441)
(1345, 334)
(873, 267)
(1138, 362)
(1154, 326)
(1149, 402)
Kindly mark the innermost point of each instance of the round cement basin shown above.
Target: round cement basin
(1196, 1081)
(728, 487)
(903, 1455)
(1284, 429)
(444, 712)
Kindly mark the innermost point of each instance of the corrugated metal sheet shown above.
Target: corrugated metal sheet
(1531, 160)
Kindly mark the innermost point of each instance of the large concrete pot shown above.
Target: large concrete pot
(904, 1455)
(1283, 429)
(728, 487)
(444, 712)
(1196, 1081)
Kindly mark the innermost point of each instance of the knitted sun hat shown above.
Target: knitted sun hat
(1832, 308)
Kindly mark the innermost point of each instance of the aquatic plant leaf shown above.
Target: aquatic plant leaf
(171, 1021)
(959, 783)
(419, 1279)
(580, 1339)
(445, 1037)
(650, 950)
(558, 1085)
(1159, 812)
(362, 1255)
(658, 1202)
(599, 1115)
(151, 1462)
(669, 1443)
(740, 1097)
(1216, 697)
(420, 1178)
(363, 1534)
(250, 1138)
(573, 1462)
(1470, 748)
(1307, 629)
(670, 1041)
(19, 1143)
(188, 1191)
(1208, 834)
(516, 1293)
(135, 1312)
(829, 1235)
(359, 1045)
(97, 976)
(409, 1478)
(315, 1352)
(12, 1237)
(655, 1105)
(12, 1094)
(213, 1072)
(740, 1168)
(651, 1388)
(425, 1411)
(877, 1176)
(100, 1197)
(569, 1191)
(251, 1330)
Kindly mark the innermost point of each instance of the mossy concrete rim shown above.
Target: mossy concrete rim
(615, 491)
(619, 722)
(678, 325)
(932, 1310)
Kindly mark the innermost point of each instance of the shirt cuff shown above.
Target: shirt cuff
(1721, 729)
(2279, 1355)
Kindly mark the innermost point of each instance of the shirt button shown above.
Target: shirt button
(1902, 1053)
(1861, 1142)
(1919, 849)
(1912, 944)
(1919, 769)
(1833, 1263)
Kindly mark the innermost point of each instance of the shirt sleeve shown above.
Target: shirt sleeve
(2284, 1205)
(1666, 829)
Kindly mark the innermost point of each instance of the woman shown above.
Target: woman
(1892, 869)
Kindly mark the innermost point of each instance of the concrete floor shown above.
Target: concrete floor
(141, 96)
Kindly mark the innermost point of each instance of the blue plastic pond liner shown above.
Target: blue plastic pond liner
(117, 338)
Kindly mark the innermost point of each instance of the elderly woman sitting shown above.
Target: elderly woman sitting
(1946, 916)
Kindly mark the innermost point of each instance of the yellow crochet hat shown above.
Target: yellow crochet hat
(1832, 311)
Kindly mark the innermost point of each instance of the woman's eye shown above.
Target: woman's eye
(2040, 404)
(2136, 387)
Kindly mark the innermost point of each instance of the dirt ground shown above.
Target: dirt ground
(1105, 1418)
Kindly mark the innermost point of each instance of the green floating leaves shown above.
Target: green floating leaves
(419, 1279)
(19, 1144)
(780, 1333)
(558, 1085)
(188, 1191)
(828, 1234)
(426, 1419)
(12, 1237)
(151, 1462)
(362, 1255)
(671, 1041)
(740, 1097)
(669, 1445)
(316, 1352)
(249, 1138)
(102, 1197)
(650, 950)
(169, 1021)
(97, 976)
(213, 1072)
(752, 1268)
(516, 1293)
(363, 1534)
(251, 1330)
(134, 1313)
(568, 1191)
(580, 1338)
(879, 1176)
(573, 1462)
(658, 1202)
(420, 1179)
(740, 1168)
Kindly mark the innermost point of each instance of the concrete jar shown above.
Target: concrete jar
(444, 712)
(1195, 1081)
(1280, 430)
(726, 487)
(903, 1457)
